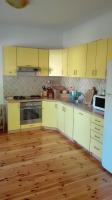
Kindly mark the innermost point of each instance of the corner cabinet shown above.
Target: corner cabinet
(27, 57)
(44, 62)
(13, 116)
(55, 62)
(9, 61)
(81, 133)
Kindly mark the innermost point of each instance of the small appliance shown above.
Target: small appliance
(99, 102)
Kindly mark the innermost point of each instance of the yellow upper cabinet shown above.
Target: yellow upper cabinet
(27, 57)
(71, 54)
(109, 54)
(44, 62)
(77, 61)
(55, 62)
(101, 58)
(9, 59)
(64, 62)
(81, 60)
(91, 60)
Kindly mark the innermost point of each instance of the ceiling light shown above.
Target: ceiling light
(18, 3)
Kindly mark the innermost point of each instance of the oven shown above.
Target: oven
(30, 112)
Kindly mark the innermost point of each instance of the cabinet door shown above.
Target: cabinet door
(109, 53)
(68, 121)
(81, 60)
(44, 62)
(71, 58)
(61, 117)
(64, 62)
(91, 60)
(49, 114)
(101, 59)
(83, 129)
(13, 116)
(55, 62)
(27, 57)
(9, 56)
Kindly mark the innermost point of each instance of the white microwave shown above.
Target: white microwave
(99, 102)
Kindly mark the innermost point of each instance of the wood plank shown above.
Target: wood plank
(44, 165)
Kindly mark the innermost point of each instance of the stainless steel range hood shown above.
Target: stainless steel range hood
(28, 69)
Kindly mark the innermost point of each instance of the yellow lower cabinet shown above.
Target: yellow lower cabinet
(49, 114)
(65, 119)
(81, 133)
(68, 121)
(61, 117)
(13, 116)
(96, 148)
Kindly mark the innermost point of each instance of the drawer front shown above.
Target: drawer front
(97, 120)
(97, 128)
(96, 148)
(96, 136)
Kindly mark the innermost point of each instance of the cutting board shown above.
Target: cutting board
(89, 96)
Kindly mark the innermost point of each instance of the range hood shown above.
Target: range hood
(28, 69)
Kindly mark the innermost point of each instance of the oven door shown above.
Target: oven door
(30, 113)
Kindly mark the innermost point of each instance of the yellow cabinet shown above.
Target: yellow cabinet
(77, 61)
(81, 133)
(64, 62)
(55, 62)
(109, 54)
(65, 119)
(91, 60)
(81, 60)
(101, 59)
(96, 136)
(27, 57)
(13, 116)
(49, 114)
(72, 60)
(44, 62)
(9, 58)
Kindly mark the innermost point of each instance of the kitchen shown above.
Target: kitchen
(76, 121)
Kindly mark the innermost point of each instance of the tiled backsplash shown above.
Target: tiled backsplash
(82, 84)
(29, 85)
(25, 85)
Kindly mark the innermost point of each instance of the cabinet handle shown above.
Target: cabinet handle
(74, 72)
(92, 72)
(96, 148)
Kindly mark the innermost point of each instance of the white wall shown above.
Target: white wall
(1, 77)
(100, 27)
(30, 36)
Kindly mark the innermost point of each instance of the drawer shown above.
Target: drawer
(96, 148)
(35, 125)
(96, 136)
(97, 120)
(97, 128)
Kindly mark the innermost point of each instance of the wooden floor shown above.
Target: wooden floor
(43, 165)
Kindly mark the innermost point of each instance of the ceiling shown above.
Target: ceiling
(54, 14)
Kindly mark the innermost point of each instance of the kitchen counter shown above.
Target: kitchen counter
(80, 106)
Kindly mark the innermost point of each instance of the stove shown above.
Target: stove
(27, 97)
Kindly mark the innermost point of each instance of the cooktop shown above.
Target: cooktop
(26, 97)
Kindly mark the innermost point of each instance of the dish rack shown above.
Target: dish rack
(2, 118)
